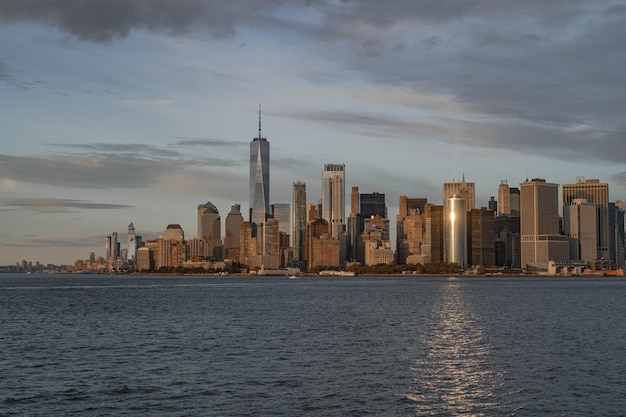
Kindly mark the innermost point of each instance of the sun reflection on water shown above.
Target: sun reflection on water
(453, 374)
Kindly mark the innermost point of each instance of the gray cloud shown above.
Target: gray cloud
(169, 157)
(104, 171)
(100, 21)
(120, 149)
(616, 10)
(53, 205)
(534, 76)
(104, 21)
(4, 72)
(84, 172)
(10, 77)
(565, 142)
(544, 85)
(65, 242)
(619, 178)
(208, 142)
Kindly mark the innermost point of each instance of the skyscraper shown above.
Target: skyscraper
(411, 231)
(354, 226)
(617, 233)
(299, 220)
(372, 205)
(596, 193)
(504, 198)
(539, 224)
(132, 243)
(580, 225)
(455, 230)
(355, 204)
(115, 246)
(170, 247)
(107, 248)
(465, 190)
(234, 219)
(282, 213)
(334, 197)
(210, 230)
(259, 177)
(515, 201)
(363, 208)
(433, 233)
(481, 239)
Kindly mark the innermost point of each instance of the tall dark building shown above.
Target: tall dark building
(617, 234)
(299, 220)
(363, 207)
(507, 230)
(259, 177)
(481, 237)
(434, 232)
(372, 205)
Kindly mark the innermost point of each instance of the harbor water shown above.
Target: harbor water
(97, 345)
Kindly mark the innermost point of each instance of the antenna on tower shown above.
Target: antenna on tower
(259, 121)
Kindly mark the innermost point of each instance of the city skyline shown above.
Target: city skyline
(145, 115)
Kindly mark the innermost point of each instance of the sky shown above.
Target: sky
(122, 111)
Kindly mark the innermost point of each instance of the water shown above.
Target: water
(234, 346)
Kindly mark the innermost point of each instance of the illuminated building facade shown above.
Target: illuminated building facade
(596, 193)
(334, 197)
(455, 230)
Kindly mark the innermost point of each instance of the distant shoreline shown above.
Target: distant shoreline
(218, 275)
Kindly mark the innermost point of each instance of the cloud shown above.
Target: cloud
(34, 241)
(120, 150)
(511, 75)
(10, 76)
(619, 178)
(171, 157)
(616, 10)
(53, 205)
(103, 21)
(83, 171)
(565, 142)
(4, 72)
(158, 104)
(208, 142)
(9, 185)
(105, 171)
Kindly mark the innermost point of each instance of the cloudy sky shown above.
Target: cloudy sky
(137, 111)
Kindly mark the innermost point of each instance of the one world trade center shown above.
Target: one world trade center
(259, 177)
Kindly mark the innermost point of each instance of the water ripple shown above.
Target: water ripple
(132, 346)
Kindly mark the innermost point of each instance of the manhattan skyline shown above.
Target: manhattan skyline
(145, 114)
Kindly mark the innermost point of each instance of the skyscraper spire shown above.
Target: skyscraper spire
(259, 177)
(259, 121)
